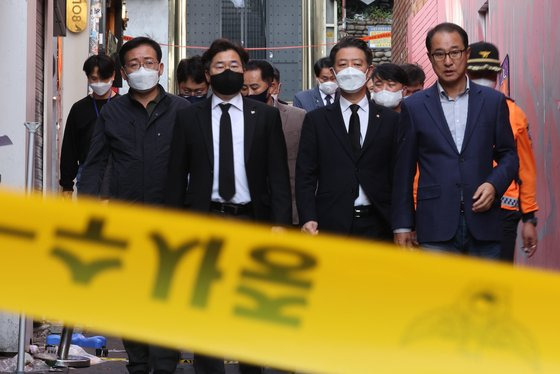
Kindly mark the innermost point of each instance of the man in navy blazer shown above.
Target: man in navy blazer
(453, 131)
(321, 95)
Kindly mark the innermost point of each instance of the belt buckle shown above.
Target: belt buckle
(222, 208)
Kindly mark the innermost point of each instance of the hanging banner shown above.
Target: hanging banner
(380, 36)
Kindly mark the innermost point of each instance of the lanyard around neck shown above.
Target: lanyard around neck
(95, 105)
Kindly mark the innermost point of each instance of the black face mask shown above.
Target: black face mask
(262, 97)
(227, 82)
(193, 99)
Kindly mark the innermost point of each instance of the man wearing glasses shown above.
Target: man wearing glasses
(453, 130)
(191, 79)
(135, 131)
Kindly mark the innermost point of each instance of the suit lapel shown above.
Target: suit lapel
(374, 123)
(250, 121)
(205, 122)
(317, 97)
(336, 122)
(433, 104)
(475, 105)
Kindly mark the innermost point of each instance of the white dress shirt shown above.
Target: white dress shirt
(242, 194)
(324, 98)
(363, 113)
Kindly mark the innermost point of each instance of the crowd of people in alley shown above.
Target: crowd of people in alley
(368, 152)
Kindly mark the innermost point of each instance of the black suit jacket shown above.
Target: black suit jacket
(191, 165)
(328, 173)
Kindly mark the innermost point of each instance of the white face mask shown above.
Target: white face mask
(485, 82)
(143, 79)
(351, 80)
(328, 88)
(101, 88)
(388, 99)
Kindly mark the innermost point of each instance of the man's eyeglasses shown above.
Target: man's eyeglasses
(454, 55)
(148, 64)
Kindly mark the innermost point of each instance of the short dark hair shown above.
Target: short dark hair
(448, 28)
(267, 71)
(222, 45)
(137, 42)
(390, 72)
(415, 74)
(276, 74)
(320, 64)
(104, 63)
(192, 68)
(350, 41)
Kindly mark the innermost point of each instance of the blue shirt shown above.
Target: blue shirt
(455, 111)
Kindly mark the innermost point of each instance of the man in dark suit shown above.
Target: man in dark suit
(322, 94)
(228, 157)
(258, 85)
(344, 164)
(454, 131)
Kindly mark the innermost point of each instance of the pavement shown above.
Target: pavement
(116, 361)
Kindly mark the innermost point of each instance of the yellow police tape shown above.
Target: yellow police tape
(318, 304)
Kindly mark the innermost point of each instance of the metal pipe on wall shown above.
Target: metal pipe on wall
(319, 35)
(307, 39)
(31, 130)
(177, 37)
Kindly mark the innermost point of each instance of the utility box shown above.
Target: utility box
(253, 23)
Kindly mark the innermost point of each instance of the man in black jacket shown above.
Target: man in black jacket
(345, 162)
(135, 130)
(228, 157)
(100, 73)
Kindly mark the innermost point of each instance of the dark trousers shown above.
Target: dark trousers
(464, 243)
(212, 365)
(142, 358)
(510, 221)
(371, 227)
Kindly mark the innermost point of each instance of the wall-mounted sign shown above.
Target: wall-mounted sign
(380, 36)
(503, 78)
(76, 15)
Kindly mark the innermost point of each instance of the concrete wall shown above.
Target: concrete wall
(75, 50)
(150, 18)
(16, 97)
(17, 100)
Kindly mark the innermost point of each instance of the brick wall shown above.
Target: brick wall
(421, 20)
(401, 13)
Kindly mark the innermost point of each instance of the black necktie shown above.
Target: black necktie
(354, 129)
(328, 98)
(226, 177)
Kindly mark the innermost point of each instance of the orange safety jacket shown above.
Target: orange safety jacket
(522, 192)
